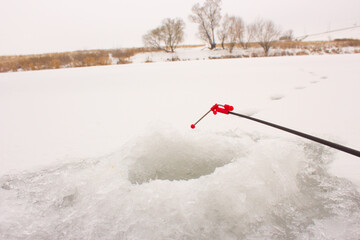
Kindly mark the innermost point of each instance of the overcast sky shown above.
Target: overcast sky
(39, 26)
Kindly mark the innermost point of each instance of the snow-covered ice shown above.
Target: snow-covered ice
(108, 153)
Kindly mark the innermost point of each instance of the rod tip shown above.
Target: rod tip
(192, 126)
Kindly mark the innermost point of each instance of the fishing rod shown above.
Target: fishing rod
(227, 109)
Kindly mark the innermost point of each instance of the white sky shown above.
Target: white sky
(38, 26)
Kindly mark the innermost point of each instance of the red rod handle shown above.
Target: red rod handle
(225, 109)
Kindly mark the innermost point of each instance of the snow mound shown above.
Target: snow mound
(230, 185)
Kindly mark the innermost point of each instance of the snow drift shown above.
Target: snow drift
(172, 186)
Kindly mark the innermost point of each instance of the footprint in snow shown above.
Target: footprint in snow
(276, 97)
(299, 87)
(324, 77)
(314, 82)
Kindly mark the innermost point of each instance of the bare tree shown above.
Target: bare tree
(266, 33)
(287, 36)
(235, 32)
(208, 17)
(173, 30)
(224, 31)
(231, 31)
(167, 36)
(249, 35)
(154, 39)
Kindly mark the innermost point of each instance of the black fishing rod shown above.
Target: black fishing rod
(227, 109)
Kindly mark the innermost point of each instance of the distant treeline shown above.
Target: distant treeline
(67, 59)
(122, 56)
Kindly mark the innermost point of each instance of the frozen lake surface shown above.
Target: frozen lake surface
(108, 153)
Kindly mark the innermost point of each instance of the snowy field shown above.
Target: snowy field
(108, 153)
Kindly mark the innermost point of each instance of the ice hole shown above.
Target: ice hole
(173, 167)
(176, 158)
